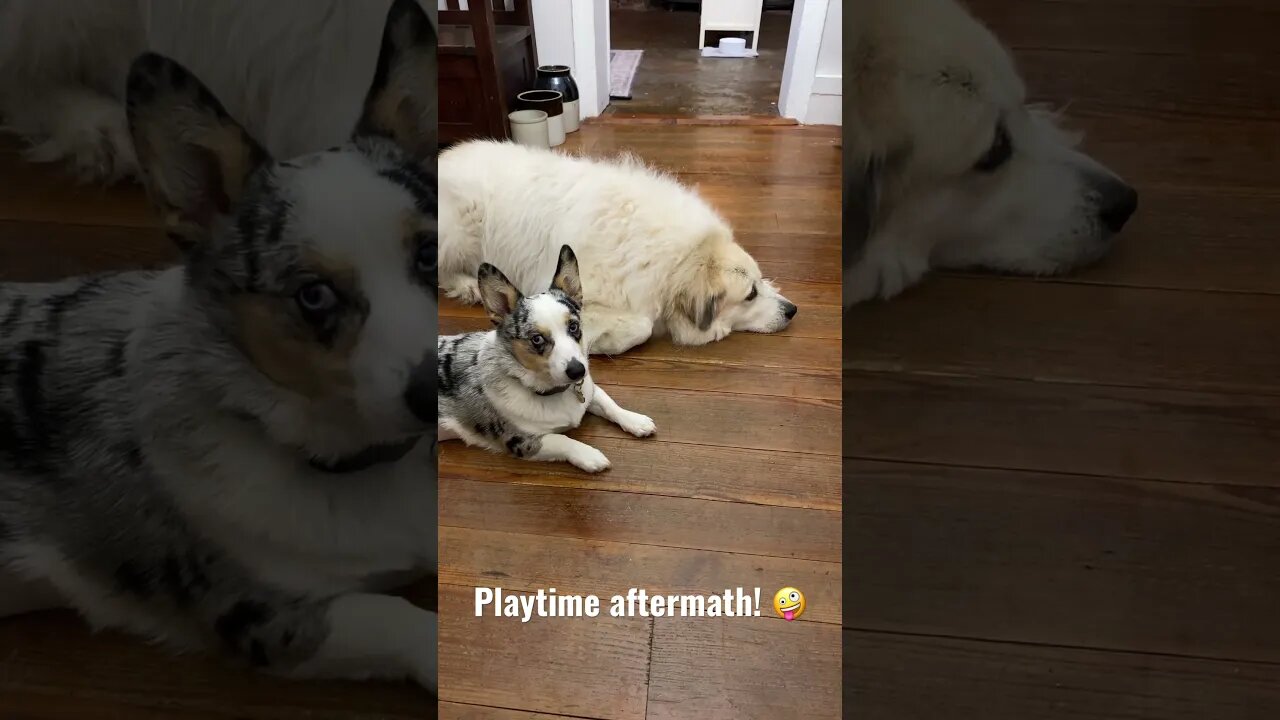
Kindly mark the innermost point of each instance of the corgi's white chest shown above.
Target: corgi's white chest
(541, 414)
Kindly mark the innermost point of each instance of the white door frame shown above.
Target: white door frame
(799, 70)
(576, 33)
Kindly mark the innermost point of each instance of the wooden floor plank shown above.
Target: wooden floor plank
(798, 425)
(1144, 27)
(678, 470)
(43, 251)
(460, 711)
(52, 666)
(485, 558)
(1166, 149)
(764, 514)
(777, 382)
(901, 677)
(739, 350)
(1151, 434)
(1066, 560)
(46, 193)
(1141, 83)
(743, 673)
(590, 667)
(594, 513)
(1195, 240)
(1105, 594)
(770, 153)
(1073, 333)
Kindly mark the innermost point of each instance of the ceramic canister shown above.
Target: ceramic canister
(529, 127)
(558, 78)
(552, 103)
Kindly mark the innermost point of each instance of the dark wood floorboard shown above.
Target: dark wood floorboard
(1062, 493)
(739, 488)
(906, 677)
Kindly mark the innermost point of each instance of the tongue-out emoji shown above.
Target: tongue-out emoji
(789, 603)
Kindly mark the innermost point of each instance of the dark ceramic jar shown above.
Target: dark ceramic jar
(557, 77)
(549, 101)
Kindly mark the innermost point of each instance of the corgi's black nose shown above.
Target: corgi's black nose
(789, 309)
(575, 370)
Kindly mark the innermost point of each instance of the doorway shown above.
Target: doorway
(673, 77)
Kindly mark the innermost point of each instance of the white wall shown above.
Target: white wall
(811, 77)
(825, 97)
(555, 25)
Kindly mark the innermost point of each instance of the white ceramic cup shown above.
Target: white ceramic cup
(571, 117)
(555, 129)
(530, 127)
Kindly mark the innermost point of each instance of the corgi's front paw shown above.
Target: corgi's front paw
(589, 459)
(637, 424)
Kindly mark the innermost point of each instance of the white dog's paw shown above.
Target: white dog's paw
(882, 274)
(464, 288)
(637, 424)
(92, 137)
(589, 459)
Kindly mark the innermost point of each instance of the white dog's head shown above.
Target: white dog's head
(719, 290)
(948, 164)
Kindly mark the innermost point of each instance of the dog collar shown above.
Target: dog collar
(366, 458)
(577, 390)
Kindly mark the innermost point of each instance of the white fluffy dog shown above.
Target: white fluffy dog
(293, 71)
(946, 166)
(654, 257)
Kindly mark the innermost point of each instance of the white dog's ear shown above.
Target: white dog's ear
(861, 205)
(567, 280)
(497, 293)
(401, 103)
(701, 309)
(195, 159)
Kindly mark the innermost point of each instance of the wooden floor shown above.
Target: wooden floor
(51, 666)
(674, 78)
(740, 487)
(1063, 497)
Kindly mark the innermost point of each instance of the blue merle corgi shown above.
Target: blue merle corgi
(236, 452)
(517, 388)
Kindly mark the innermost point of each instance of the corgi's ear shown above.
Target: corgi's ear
(497, 293)
(195, 160)
(401, 103)
(566, 279)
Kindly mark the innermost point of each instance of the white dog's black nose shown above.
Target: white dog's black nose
(789, 309)
(575, 370)
(1120, 204)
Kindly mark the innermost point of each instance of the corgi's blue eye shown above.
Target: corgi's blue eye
(537, 340)
(317, 298)
(573, 327)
